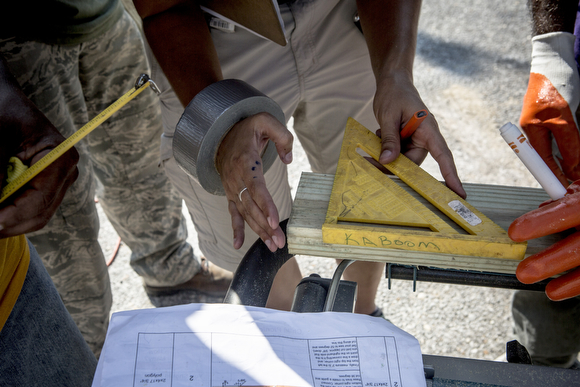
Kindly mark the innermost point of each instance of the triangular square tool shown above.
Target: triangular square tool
(367, 208)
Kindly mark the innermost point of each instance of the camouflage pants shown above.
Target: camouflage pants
(549, 330)
(119, 161)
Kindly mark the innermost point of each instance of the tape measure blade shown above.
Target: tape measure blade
(69, 142)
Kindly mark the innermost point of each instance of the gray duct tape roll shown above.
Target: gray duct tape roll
(206, 121)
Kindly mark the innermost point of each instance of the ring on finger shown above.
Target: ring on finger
(241, 192)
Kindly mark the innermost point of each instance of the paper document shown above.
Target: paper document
(219, 345)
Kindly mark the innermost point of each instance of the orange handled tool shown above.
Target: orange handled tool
(413, 123)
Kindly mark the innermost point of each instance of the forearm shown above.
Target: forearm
(552, 16)
(390, 30)
(181, 42)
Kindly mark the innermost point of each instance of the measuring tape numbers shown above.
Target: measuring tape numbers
(141, 84)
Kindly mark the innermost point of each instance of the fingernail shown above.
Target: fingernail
(272, 223)
(385, 155)
(268, 243)
(275, 239)
(288, 158)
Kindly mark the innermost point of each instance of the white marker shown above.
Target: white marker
(532, 160)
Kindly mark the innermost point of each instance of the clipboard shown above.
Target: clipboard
(261, 17)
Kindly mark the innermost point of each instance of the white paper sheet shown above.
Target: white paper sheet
(218, 345)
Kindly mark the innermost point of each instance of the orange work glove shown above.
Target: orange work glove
(550, 104)
(552, 217)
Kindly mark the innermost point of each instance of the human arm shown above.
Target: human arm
(180, 39)
(27, 134)
(390, 30)
(553, 92)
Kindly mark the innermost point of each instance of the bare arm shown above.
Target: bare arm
(390, 29)
(180, 39)
(552, 16)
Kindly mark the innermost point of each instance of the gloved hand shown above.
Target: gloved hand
(552, 217)
(550, 104)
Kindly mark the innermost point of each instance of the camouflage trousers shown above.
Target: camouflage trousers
(549, 330)
(119, 161)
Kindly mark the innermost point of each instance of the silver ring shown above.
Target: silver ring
(241, 192)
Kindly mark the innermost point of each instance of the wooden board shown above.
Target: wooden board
(501, 204)
(366, 208)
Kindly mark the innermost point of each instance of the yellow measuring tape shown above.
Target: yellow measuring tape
(27, 174)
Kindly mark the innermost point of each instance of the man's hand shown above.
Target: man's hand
(390, 30)
(396, 101)
(550, 103)
(549, 218)
(28, 135)
(239, 163)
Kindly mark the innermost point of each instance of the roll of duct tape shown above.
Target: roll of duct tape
(206, 121)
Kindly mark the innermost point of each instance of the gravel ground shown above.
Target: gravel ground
(471, 68)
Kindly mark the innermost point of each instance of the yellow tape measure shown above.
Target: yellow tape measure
(141, 84)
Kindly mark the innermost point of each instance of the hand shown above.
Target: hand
(240, 166)
(550, 102)
(395, 103)
(27, 134)
(552, 217)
